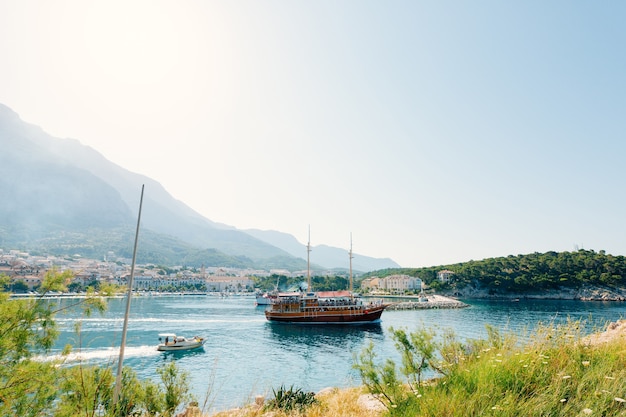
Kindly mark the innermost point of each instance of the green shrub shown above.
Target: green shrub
(553, 372)
(290, 399)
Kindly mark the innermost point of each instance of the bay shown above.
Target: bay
(247, 356)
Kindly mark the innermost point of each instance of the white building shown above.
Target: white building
(228, 283)
(393, 283)
(445, 275)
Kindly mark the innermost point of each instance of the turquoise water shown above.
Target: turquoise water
(246, 356)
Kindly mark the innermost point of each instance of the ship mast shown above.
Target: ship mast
(120, 362)
(350, 253)
(308, 263)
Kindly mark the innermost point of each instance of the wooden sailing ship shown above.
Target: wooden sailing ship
(324, 307)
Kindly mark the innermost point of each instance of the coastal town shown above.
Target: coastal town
(29, 270)
(26, 272)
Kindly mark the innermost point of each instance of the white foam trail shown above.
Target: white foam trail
(162, 320)
(99, 354)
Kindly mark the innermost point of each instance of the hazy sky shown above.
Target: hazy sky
(434, 131)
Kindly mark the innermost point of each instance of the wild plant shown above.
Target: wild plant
(555, 371)
(290, 399)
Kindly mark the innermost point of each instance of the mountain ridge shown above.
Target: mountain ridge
(337, 256)
(59, 185)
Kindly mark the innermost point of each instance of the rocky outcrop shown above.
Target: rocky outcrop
(601, 294)
(614, 331)
(584, 293)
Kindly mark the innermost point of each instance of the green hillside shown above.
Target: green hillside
(526, 273)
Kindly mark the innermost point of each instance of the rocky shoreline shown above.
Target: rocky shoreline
(584, 293)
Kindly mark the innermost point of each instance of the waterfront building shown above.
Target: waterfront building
(444, 275)
(393, 283)
(228, 283)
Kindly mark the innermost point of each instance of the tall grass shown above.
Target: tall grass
(553, 373)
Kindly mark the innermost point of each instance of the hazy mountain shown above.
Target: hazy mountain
(323, 255)
(58, 194)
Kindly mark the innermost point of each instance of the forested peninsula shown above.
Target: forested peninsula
(578, 275)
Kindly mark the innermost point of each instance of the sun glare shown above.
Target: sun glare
(132, 42)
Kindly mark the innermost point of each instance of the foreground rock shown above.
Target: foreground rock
(615, 331)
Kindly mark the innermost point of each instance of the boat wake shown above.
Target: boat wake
(94, 355)
(151, 320)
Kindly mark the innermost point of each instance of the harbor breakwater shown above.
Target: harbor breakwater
(430, 302)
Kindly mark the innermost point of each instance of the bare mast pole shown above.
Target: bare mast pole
(308, 263)
(118, 379)
(350, 253)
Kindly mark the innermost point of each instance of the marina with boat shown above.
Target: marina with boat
(326, 307)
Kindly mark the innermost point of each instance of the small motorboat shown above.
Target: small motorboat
(266, 298)
(171, 342)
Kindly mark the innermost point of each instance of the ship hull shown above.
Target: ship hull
(369, 315)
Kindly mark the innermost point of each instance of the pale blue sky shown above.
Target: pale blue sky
(434, 132)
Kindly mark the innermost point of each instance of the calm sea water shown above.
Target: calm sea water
(246, 355)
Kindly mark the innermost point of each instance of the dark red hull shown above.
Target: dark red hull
(328, 316)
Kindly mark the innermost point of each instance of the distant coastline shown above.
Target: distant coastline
(405, 302)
